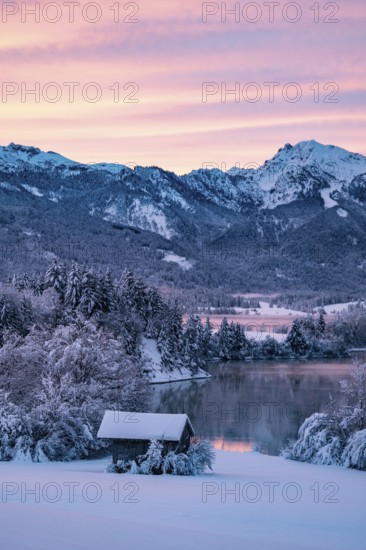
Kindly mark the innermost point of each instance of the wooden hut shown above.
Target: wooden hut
(131, 433)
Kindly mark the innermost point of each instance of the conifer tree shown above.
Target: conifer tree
(73, 288)
(56, 278)
(133, 293)
(193, 337)
(154, 312)
(108, 298)
(170, 340)
(238, 339)
(90, 300)
(321, 324)
(224, 344)
(296, 339)
(207, 338)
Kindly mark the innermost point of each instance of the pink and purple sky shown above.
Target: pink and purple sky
(169, 53)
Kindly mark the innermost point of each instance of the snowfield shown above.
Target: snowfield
(180, 260)
(266, 309)
(338, 308)
(33, 190)
(270, 504)
(259, 335)
(150, 217)
(328, 201)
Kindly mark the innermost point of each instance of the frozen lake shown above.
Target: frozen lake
(246, 404)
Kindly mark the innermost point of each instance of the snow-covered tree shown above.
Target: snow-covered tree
(38, 286)
(354, 389)
(130, 333)
(224, 340)
(201, 456)
(270, 348)
(170, 340)
(320, 441)
(133, 293)
(56, 277)
(177, 464)
(60, 383)
(297, 339)
(74, 287)
(207, 338)
(155, 308)
(237, 340)
(107, 293)
(60, 430)
(339, 437)
(11, 317)
(321, 324)
(22, 364)
(12, 426)
(193, 338)
(91, 299)
(152, 462)
(354, 453)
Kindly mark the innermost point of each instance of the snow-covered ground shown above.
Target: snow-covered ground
(263, 332)
(139, 214)
(328, 201)
(265, 309)
(338, 308)
(33, 190)
(180, 260)
(250, 501)
(342, 213)
(159, 375)
(8, 186)
(150, 217)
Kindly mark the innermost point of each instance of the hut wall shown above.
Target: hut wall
(128, 449)
(185, 440)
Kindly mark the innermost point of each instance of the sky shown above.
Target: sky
(149, 82)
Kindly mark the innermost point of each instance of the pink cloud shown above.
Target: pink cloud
(169, 54)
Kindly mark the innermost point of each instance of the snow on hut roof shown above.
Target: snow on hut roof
(145, 426)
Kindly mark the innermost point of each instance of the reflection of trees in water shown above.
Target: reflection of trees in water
(261, 402)
(176, 397)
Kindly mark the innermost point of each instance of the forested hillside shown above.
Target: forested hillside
(295, 225)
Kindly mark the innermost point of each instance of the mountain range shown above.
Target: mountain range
(297, 223)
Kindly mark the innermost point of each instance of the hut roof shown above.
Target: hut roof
(143, 426)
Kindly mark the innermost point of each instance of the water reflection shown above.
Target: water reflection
(237, 446)
(250, 405)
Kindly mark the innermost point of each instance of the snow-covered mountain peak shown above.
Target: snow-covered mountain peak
(305, 169)
(338, 161)
(22, 149)
(14, 157)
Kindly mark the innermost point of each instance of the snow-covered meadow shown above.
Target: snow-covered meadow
(249, 501)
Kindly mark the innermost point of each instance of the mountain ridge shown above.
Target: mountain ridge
(251, 229)
(295, 171)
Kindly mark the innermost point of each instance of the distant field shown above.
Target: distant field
(267, 324)
(254, 295)
(266, 320)
(270, 321)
